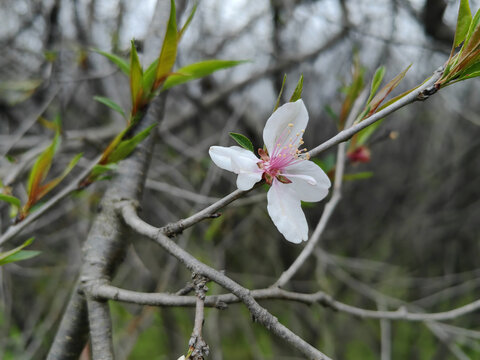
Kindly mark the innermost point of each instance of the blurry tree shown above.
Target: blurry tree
(391, 267)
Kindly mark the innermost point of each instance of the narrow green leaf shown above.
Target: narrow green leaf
(297, 93)
(187, 23)
(387, 89)
(358, 176)
(110, 103)
(277, 104)
(101, 169)
(469, 42)
(126, 147)
(149, 77)
(328, 109)
(376, 81)
(136, 79)
(10, 199)
(242, 140)
(463, 23)
(44, 189)
(198, 70)
(169, 49)
(16, 253)
(117, 60)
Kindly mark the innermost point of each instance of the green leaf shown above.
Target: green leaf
(42, 166)
(126, 147)
(363, 135)
(44, 189)
(358, 176)
(297, 93)
(10, 199)
(101, 169)
(328, 109)
(277, 104)
(110, 103)
(463, 23)
(472, 33)
(149, 77)
(187, 23)
(327, 163)
(376, 81)
(17, 254)
(198, 70)
(117, 60)
(387, 89)
(242, 140)
(168, 54)
(136, 79)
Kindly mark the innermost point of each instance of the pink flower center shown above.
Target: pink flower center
(284, 154)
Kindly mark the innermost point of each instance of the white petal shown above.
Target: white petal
(277, 129)
(240, 161)
(286, 212)
(308, 180)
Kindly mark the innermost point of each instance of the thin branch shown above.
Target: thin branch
(105, 291)
(100, 329)
(259, 313)
(420, 94)
(198, 348)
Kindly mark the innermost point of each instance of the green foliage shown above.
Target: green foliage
(110, 103)
(169, 49)
(198, 70)
(376, 81)
(187, 23)
(126, 147)
(136, 80)
(464, 20)
(358, 176)
(242, 140)
(297, 93)
(363, 135)
(387, 89)
(464, 64)
(17, 254)
(12, 200)
(122, 64)
(279, 97)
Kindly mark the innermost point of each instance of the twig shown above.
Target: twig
(105, 291)
(259, 313)
(198, 348)
(420, 94)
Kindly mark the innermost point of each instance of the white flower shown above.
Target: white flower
(293, 178)
(181, 357)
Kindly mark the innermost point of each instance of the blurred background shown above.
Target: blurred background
(406, 231)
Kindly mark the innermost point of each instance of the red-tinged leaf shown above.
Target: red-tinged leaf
(187, 23)
(463, 23)
(44, 189)
(136, 79)
(387, 89)
(470, 41)
(168, 54)
(42, 166)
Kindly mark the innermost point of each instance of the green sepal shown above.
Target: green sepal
(242, 140)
